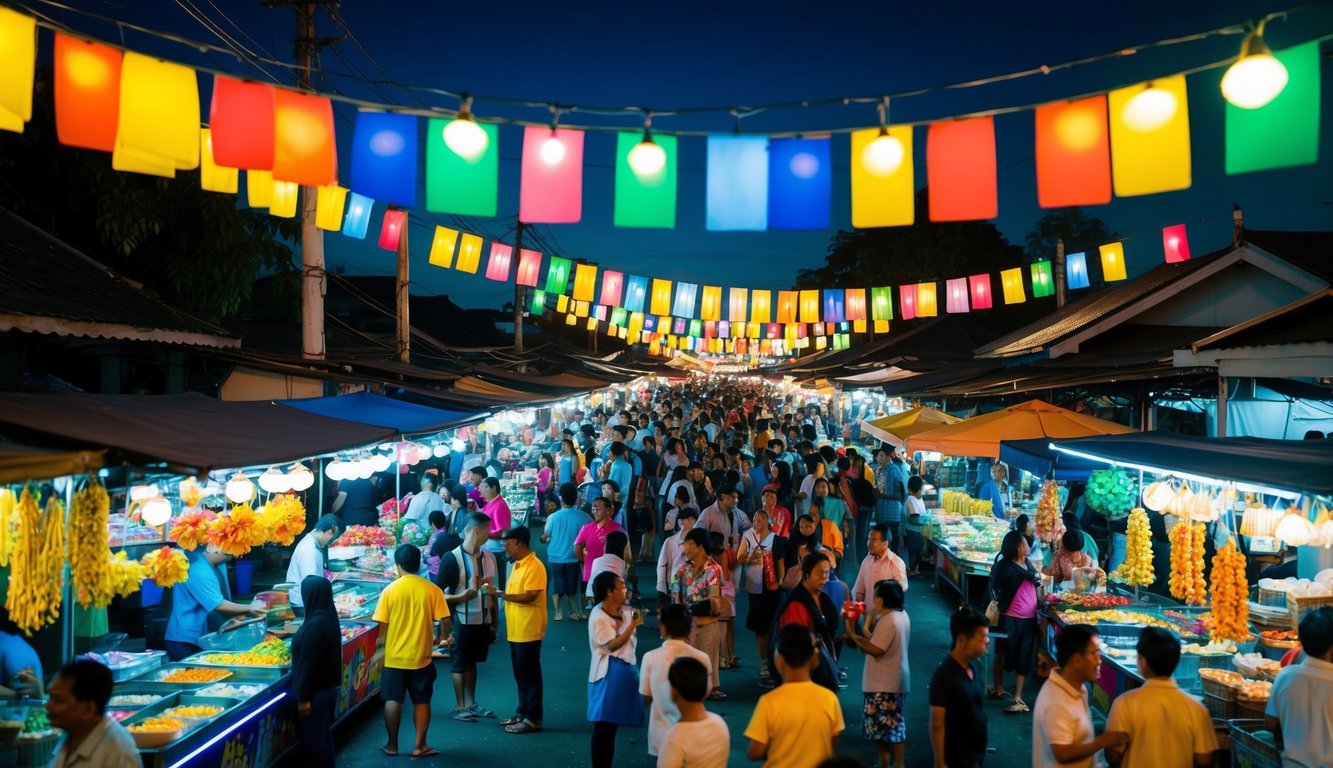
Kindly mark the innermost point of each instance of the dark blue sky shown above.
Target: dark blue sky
(667, 55)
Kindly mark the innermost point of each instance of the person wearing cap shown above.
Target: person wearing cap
(524, 599)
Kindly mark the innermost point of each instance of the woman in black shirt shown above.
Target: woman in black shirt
(317, 671)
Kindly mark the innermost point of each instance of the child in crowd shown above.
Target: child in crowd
(700, 738)
(798, 722)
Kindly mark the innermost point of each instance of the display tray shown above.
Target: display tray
(206, 659)
(159, 709)
(235, 675)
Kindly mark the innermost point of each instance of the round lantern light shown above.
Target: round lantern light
(336, 470)
(1257, 77)
(142, 493)
(240, 489)
(647, 158)
(379, 463)
(274, 481)
(553, 149)
(884, 155)
(458, 445)
(300, 477)
(1294, 528)
(156, 511)
(467, 139)
(1149, 109)
(440, 450)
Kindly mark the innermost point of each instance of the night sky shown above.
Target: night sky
(738, 52)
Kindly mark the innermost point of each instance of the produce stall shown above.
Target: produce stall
(963, 546)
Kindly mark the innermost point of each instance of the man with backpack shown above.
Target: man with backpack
(464, 572)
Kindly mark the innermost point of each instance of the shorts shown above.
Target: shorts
(566, 578)
(417, 683)
(884, 717)
(472, 646)
(763, 606)
(1020, 647)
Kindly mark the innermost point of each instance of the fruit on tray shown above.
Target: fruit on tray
(157, 725)
(195, 675)
(1231, 602)
(272, 652)
(36, 721)
(90, 546)
(1281, 635)
(1187, 584)
(1137, 570)
(1254, 689)
(1049, 526)
(1116, 616)
(194, 711)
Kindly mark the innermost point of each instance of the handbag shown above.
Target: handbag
(993, 613)
(615, 698)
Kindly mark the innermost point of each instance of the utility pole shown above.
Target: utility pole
(519, 292)
(403, 296)
(1059, 272)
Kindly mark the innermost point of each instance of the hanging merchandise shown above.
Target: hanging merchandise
(384, 157)
(1284, 132)
(37, 565)
(1111, 492)
(90, 546)
(167, 567)
(455, 183)
(1137, 569)
(236, 531)
(190, 528)
(8, 504)
(1073, 153)
(1230, 595)
(1150, 137)
(1186, 581)
(961, 169)
(1049, 526)
(283, 519)
(800, 181)
(87, 93)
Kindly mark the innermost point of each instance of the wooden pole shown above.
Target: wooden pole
(402, 295)
(313, 285)
(519, 292)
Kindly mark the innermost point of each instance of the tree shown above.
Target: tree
(1080, 232)
(198, 250)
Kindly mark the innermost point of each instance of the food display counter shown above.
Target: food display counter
(963, 548)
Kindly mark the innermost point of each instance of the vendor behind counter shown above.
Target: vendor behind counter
(202, 604)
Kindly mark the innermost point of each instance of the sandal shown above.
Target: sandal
(523, 726)
(717, 694)
(508, 721)
(996, 693)
(1017, 707)
(464, 714)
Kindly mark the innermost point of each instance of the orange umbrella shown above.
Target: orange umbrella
(898, 427)
(981, 435)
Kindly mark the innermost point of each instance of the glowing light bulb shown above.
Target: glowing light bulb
(275, 481)
(301, 477)
(156, 511)
(240, 489)
(465, 137)
(1257, 77)
(553, 150)
(647, 159)
(1149, 110)
(336, 469)
(883, 156)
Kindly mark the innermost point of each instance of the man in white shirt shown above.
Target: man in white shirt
(700, 739)
(1062, 732)
(880, 564)
(610, 560)
(672, 556)
(1301, 705)
(308, 556)
(422, 504)
(77, 705)
(653, 685)
(1167, 728)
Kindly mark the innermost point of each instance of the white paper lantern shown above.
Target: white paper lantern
(300, 477)
(275, 481)
(156, 511)
(240, 489)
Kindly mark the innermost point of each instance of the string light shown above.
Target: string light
(464, 136)
(1257, 77)
(884, 155)
(647, 159)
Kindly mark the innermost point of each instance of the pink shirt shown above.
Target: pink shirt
(1024, 605)
(497, 509)
(593, 538)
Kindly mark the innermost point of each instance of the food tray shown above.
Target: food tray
(204, 660)
(232, 690)
(1248, 749)
(180, 700)
(134, 665)
(1285, 645)
(159, 677)
(1219, 689)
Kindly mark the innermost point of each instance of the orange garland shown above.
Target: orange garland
(284, 519)
(166, 566)
(1231, 605)
(191, 529)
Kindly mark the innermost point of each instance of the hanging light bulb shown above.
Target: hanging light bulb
(647, 158)
(440, 450)
(553, 149)
(156, 511)
(336, 469)
(884, 155)
(1294, 528)
(1150, 109)
(1257, 77)
(464, 136)
(240, 489)
(300, 477)
(274, 481)
(142, 493)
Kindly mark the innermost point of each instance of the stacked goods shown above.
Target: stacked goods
(90, 546)
(1187, 584)
(37, 573)
(1137, 570)
(1231, 604)
(366, 536)
(1049, 526)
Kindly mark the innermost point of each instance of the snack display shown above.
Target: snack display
(1093, 600)
(270, 653)
(1117, 616)
(194, 712)
(156, 731)
(156, 724)
(1222, 676)
(225, 691)
(957, 503)
(133, 700)
(195, 675)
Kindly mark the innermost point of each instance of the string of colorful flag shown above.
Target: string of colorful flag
(1127, 142)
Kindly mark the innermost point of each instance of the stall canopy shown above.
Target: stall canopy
(24, 462)
(981, 435)
(189, 432)
(1037, 456)
(1290, 465)
(897, 428)
(380, 411)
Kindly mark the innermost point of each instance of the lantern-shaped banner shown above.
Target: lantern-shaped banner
(1073, 153)
(157, 126)
(384, 157)
(883, 178)
(214, 178)
(724, 329)
(737, 184)
(258, 189)
(571, 320)
(809, 307)
(636, 321)
(455, 184)
(926, 303)
(686, 293)
(1043, 284)
(442, 246)
(305, 149)
(738, 330)
(679, 325)
(856, 304)
(710, 305)
(581, 308)
(881, 304)
(497, 267)
(538, 306)
(645, 199)
(1076, 271)
(839, 342)
(557, 274)
(821, 342)
(585, 282)
(696, 328)
(600, 312)
(833, 306)
(1012, 280)
(881, 326)
(1113, 261)
(800, 183)
(981, 291)
(761, 306)
(612, 330)
(1285, 131)
(242, 118)
(788, 302)
(960, 170)
(650, 323)
(859, 326)
(619, 317)
(636, 293)
(1150, 137)
(907, 301)
(330, 203)
(738, 301)
(660, 304)
(773, 331)
(613, 286)
(18, 61)
(561, 303)
(956, 298)
(282, 203)
(550, 189)
(358, 214)
(395, 219)
(715, 346)
(755, 330)
(592, 323)
(529, 267)
(469, 254)
(87, 89)
(1175, 244)
(789, 333)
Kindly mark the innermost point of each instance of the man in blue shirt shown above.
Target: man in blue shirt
(202, 603)
(559, 534)
(993, 491)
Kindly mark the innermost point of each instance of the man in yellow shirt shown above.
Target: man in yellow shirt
(795, 725)
(407, 613)
(525, 622)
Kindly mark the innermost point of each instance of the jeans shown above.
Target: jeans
(526, 659)
(317, 730)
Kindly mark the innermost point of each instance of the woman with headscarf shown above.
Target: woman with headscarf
(317, 671)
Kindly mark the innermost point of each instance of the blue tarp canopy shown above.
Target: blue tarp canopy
(1291, 465)
(1036, 456)
(380, 411)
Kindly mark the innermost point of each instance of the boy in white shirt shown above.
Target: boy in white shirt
(616, 542)
(700, 739)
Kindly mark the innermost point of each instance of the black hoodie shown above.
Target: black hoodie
(317, 647)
